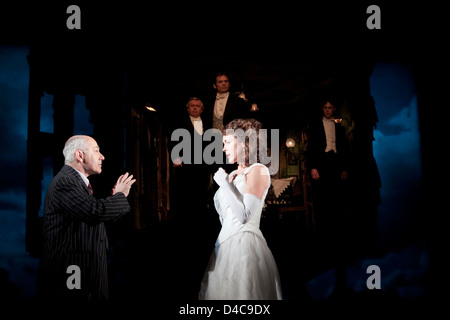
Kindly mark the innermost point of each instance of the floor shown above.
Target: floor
(167, 260)
(161, 267)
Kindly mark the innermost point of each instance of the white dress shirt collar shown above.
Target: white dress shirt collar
(197, 123)
(86, 180)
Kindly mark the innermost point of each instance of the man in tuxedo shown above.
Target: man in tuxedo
(191, 173)
(226, 106)
(328, 161)
(190, 181)
(222, 109)
(73, 265)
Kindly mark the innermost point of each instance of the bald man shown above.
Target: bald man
(74, 258)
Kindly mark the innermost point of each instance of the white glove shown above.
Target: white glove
(242, 207)
(221, 177)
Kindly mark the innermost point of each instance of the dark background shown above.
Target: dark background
(170, 51)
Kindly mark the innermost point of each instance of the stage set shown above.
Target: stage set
(135, 76)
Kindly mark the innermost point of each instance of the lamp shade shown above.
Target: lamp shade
(290, 143)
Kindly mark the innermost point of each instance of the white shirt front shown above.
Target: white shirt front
(198, 124)
(219, 105)
(330, 133)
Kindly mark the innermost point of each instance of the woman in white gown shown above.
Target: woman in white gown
(241, 266)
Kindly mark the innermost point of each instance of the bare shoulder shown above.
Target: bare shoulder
(258, 173)
(257, 180)
(258, 169)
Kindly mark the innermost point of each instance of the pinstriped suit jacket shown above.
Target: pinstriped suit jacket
(74, 234)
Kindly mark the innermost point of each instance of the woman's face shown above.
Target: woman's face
(230, 147)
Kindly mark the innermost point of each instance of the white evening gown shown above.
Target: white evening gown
(241, 266)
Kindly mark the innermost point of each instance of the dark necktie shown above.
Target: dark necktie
(90, 188)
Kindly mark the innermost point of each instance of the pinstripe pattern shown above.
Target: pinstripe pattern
(74, 234)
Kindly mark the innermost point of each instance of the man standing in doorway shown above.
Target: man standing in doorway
(328, 161)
